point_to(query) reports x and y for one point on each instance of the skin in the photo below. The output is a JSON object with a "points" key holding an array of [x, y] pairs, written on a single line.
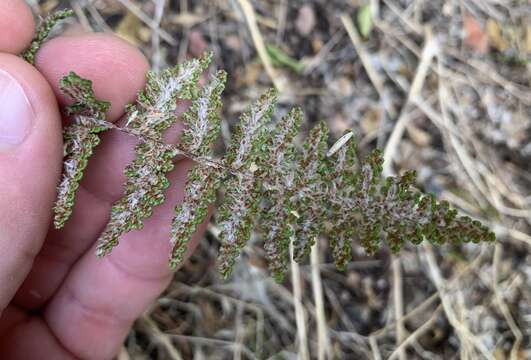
{"points": [[57, 300]]}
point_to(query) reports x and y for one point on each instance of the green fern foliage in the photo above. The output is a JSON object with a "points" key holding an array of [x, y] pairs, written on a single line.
{"points": [[80, 138], [146, 182], [310, 192], [202, 128], [43, 32], [290, 195], [202, 121], [341, 178], [278, 188], [236, 215], [154, 111]]}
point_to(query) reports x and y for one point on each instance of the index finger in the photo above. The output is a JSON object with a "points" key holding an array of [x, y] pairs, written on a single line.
{"points": [[16, 26]]}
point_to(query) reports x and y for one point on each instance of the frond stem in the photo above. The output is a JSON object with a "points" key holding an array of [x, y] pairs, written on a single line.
{"points": [[199, 159]]}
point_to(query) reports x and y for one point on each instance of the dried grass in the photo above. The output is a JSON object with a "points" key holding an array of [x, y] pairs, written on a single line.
{"points": [[435, 105]]}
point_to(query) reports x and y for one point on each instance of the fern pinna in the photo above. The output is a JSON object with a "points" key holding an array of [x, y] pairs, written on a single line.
{"points": [[291, 195]]}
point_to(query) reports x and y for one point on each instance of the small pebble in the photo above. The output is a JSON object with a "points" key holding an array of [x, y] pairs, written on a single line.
{"points": [[305, 20]]}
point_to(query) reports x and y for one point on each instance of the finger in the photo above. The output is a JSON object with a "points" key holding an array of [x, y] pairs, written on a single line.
{"points": [[106, 55], [100, 188], [28, 337], [16, 26], [30, 160], [61, 249], [101, 298]]}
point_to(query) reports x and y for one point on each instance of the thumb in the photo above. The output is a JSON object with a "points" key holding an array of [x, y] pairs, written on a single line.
{"points": [[30, 161]]}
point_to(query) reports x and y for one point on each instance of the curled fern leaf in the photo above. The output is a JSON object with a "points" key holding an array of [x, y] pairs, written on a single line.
{"points": [[365, 203], [201, 187], [146, 175], [311, 192], [43, 32], [202, 120], [144, 189], [202, 128], [236, 219], [251, 133], [341, 177], [241, 199], [278, 178], [154, 111], [80, 138]]}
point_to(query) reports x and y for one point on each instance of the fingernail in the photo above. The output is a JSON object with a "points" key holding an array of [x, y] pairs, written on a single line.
{"points": [[16, 113]]}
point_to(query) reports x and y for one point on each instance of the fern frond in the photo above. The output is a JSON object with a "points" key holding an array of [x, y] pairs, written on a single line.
{"points": [[43, 32], [203, 125], [80, 138], [295, 195], [153, 113], [85, 102], [236, 218], [365, 202], [144, 189], [201, 186], [202, 121], [250, 135], [392, 210], [341, 177], [242, 196], [278, 177], [311, 192]]}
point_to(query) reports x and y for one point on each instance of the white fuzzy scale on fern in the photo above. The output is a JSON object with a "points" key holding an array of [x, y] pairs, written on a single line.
{"points": [[252, 124], [293, 195], [156, 104], [146, 180], [202, 127], [240, 205], [80, 138]]}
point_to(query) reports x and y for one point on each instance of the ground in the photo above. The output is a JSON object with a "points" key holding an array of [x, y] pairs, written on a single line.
{"points": [[445, 88]]}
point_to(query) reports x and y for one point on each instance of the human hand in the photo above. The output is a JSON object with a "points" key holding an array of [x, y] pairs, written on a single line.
{"points": [[57, 300]]}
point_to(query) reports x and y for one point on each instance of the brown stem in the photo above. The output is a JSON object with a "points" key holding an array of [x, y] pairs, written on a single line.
{"points": [[199, 159]]}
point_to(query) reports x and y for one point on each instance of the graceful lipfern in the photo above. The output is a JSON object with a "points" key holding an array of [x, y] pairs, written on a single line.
{"points": [[278, 210], [153, 113], [289, 195], [342, 178], [43, 32], [202, 128], [80, 138], [237, 214]]}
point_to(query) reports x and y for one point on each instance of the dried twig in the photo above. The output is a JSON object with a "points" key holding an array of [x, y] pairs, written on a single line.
{"points": [[398, 305], [135, 10], [430, 49], [518, 337], [299, 308], [374, 76], [323, 341], [259, 44]]}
